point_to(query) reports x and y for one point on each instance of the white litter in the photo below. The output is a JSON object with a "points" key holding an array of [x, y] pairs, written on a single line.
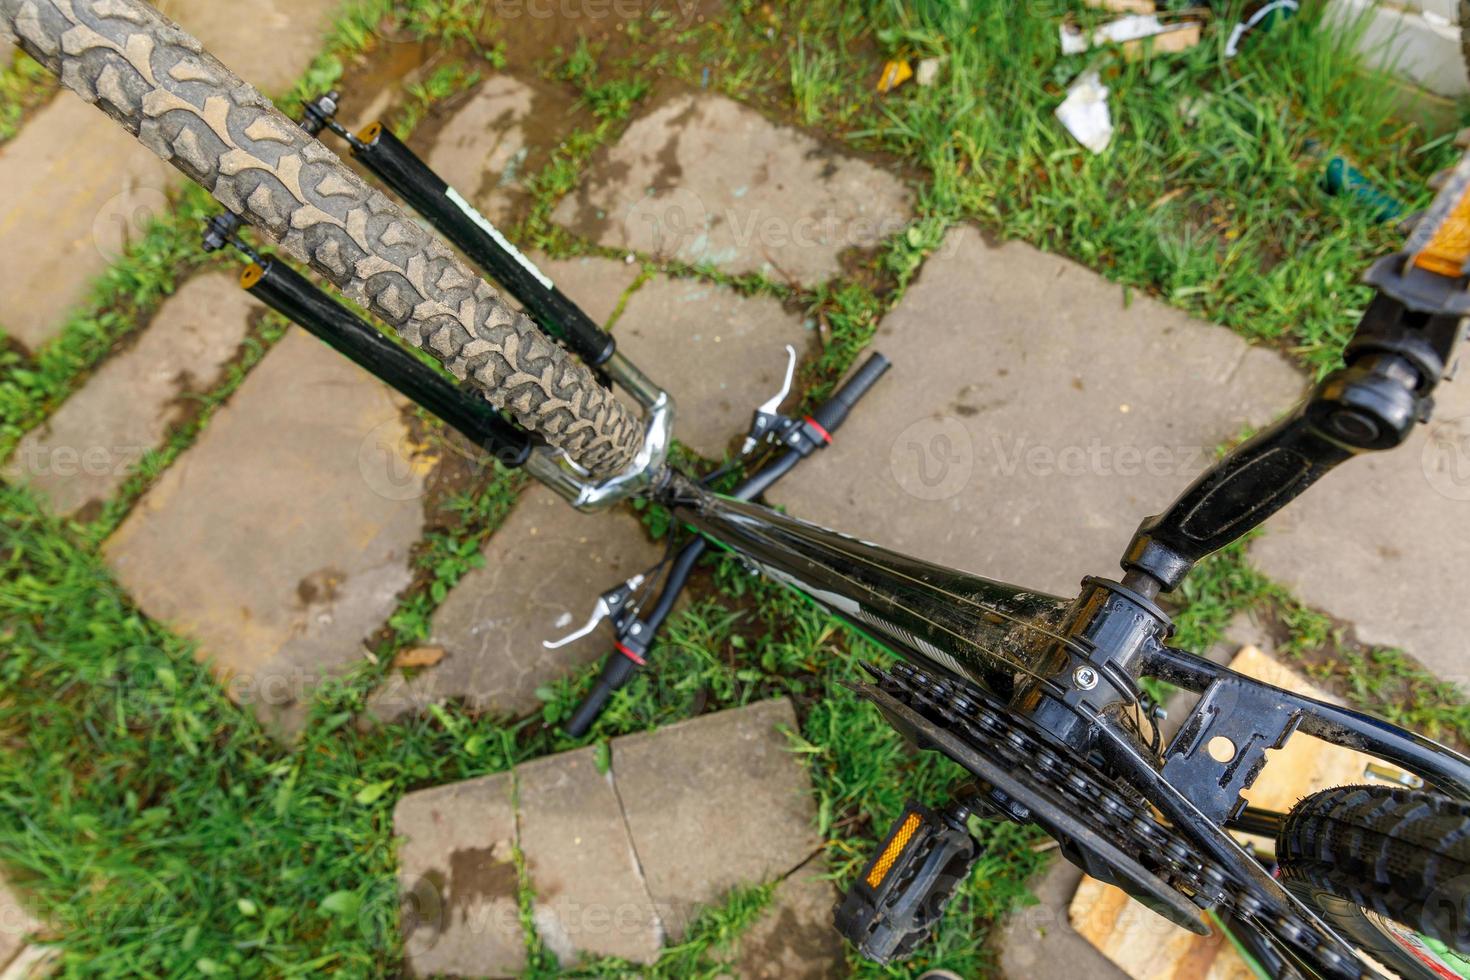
{"points": [[1123, 29], [927, 72], [1085, 112]]}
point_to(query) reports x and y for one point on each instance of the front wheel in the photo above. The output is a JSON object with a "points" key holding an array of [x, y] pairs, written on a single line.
{"points": [[1389, 869]]}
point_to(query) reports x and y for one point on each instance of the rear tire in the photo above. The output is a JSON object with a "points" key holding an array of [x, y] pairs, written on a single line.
{"points": [[1390, 870]]}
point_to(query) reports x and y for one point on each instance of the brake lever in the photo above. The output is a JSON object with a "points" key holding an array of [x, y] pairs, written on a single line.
{"points": [[610, 603], [768, 416]]}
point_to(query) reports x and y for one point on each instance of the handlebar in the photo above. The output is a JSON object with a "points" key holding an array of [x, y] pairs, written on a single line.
{"points": [[620, 665]]}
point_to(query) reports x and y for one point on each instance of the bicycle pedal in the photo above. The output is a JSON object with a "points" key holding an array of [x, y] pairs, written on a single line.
{"points": [[902, 892]]}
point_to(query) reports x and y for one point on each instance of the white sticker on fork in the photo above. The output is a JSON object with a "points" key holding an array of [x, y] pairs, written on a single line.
{"points": [[493, 232]]}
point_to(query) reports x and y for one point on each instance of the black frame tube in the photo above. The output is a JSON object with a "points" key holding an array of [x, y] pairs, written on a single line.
{"points": [[295, 297], [447, 210]]}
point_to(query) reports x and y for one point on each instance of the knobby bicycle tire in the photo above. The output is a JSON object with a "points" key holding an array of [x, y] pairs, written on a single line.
{"points": [[179, 101], [1396, 853]]}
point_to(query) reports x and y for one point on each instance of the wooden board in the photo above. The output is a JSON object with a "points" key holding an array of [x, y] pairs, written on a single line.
{"points": [[1147, 946]]}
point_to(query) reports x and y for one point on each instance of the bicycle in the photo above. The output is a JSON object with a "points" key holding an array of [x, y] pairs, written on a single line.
{"points": [[1037, 697]]}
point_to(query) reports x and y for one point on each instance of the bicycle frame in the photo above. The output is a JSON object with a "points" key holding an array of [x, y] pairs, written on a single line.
{"points": [[1003, 638], [988, 632]]}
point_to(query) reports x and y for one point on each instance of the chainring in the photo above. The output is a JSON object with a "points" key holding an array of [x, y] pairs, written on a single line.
{"points": [[1106, 822]]}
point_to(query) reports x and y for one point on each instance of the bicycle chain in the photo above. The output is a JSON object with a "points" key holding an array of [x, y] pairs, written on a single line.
{"points": [[992, 729]]}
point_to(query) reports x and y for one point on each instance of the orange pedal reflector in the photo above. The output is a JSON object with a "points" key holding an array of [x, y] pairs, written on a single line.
{"points": [[1441, 242], [895, 847]]}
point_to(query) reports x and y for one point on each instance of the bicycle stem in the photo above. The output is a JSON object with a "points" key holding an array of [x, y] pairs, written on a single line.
{"points": [[1400, 351]]}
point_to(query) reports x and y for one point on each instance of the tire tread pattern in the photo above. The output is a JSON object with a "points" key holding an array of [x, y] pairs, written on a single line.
{"points": [[142, 70], [1402, 853]]}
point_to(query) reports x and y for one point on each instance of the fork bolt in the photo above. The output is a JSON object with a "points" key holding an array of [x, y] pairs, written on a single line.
{"points": [[1085, 678]]}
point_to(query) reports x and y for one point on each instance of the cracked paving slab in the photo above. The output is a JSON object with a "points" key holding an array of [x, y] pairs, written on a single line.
{"points": [[618, 861]]}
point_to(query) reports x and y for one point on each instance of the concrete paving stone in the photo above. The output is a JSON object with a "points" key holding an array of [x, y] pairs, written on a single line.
{"points": [[1039, 941], [458, 881], [74, 186], [794, 938], [720, 354], [590, 894], [715, 802], [1380, 541], [505, 131], [83, 452], [17, 925], [703, 179], [1030, 419], [544, 569], [1392, 36], [270, 48], [282, 538]]}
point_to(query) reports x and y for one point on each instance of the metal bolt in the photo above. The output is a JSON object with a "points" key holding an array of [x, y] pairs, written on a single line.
{"points": [[1085, 678]]}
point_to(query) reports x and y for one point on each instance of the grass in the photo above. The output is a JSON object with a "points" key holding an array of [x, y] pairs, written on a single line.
{"points": [[24, 87], [163, 833], [1209, 196]]}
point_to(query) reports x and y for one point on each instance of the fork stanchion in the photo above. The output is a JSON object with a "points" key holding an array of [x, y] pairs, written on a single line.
{"points": [[456, 219], [806, 438], [293, 296]]}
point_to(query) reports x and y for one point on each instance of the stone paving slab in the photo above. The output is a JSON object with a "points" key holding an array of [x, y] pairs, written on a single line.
{"points": [[1039, 940], [458, 879], [73, 187], [1381, 541], [544, 569], [609, 874], [794, 938], [83, 452], [1030, 420], [590, 894], [17, 925], [281, 539], [504, 131], [720, 354], [715, 802], [704, 179]]}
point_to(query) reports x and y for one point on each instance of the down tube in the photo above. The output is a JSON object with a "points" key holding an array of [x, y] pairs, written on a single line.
{"points": [[963, 624]]}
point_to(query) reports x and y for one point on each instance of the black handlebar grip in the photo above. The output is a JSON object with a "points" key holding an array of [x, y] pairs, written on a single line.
{"points": [[615, 673], [831, 414]]}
